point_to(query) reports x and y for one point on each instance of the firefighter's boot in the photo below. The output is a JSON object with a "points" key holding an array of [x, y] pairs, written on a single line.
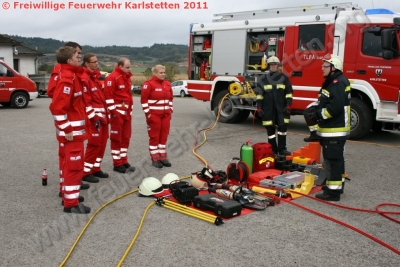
{"points": [[312, 138], [79, 209], [120, 169], [282, 145], [328, 197], [164, 161], [272, 139], [156, 162], [129, 167]]}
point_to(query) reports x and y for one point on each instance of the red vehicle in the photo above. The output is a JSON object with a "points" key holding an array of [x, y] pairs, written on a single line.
{"points": [[225, 56], [15, 90]]}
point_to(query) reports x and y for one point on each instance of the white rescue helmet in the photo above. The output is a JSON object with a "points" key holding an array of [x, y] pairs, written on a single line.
{"points": [[334, 60], [273, 60], [150, 186], [168, 179]]}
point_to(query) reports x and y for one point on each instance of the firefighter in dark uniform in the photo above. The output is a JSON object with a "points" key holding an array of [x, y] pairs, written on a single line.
{"points": [[274, 100], [333, 116]]}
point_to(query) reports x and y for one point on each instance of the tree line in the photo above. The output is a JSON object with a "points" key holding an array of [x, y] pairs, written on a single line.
{"points": [[172, 53], [166, 54]]}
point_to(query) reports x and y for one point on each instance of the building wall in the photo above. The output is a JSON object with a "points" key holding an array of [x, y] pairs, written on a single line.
{"points": [[26, 64], [6, 53]]}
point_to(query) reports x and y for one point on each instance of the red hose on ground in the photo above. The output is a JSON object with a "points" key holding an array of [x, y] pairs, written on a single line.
{"points": [[348, 226], [383, 213]]}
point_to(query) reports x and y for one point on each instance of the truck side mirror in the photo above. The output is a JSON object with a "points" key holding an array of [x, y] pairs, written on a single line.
{"points": [[386, 39], [388, 54], [10, 73]]}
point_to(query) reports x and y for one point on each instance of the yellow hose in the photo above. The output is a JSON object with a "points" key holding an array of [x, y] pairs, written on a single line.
{"points": [[136, 235], [254, 47], [90, 220], [206, 130]]}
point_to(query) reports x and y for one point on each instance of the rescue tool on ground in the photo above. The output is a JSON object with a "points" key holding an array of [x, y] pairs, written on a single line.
{"points": [[245, 199]]}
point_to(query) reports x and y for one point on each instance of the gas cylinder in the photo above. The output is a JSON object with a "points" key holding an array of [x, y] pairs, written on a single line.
{"points": [[246, 155]]}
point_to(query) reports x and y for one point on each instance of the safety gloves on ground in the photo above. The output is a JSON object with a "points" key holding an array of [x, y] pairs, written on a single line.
{"points": [[287, 110]]}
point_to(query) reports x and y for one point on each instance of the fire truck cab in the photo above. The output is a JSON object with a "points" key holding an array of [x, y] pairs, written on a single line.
{"points": [[225, 56]]}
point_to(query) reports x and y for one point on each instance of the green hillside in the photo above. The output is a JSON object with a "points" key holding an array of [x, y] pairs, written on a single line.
{"points": [[141, 57]]}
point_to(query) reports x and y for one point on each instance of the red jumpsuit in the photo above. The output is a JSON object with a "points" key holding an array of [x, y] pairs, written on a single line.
{"points": [[68, 110], [156, 99], [97, 110], [50, 92], [117, 92]]}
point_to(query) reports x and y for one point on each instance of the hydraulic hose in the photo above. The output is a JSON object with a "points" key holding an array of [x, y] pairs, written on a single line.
{"points": [[348, 225], [204, 134], [136, 235], [254, 47], [263, 45], [90, 220]]}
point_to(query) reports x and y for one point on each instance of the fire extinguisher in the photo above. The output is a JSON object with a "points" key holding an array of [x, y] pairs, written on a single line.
{"points": [[206, 71], [246, 154], [202, 70]]}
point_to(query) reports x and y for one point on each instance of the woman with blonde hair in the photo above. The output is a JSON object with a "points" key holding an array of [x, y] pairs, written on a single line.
{"points": [[156, 99]]}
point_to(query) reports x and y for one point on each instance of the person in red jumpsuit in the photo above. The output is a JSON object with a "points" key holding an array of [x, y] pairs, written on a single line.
{"points": [[68, 110], [50, 92], [156, 99], [117, 92], [95, 101]]}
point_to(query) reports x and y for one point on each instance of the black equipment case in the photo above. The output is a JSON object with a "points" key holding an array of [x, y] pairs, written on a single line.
{"points": [[223, 207]]}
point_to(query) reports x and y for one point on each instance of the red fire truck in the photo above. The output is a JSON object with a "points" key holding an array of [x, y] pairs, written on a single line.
{"points": [[225, 56]]}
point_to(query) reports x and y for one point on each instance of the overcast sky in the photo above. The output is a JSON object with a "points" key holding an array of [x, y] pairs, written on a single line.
{"points": [[132, 27]]}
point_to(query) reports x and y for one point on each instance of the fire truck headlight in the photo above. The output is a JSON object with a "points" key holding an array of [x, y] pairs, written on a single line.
{"points": [[317, 17], [246, 22]]}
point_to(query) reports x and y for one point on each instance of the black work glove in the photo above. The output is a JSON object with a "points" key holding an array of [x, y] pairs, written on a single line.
{"points": [[317, 115], [287, 110], [259, 111]]}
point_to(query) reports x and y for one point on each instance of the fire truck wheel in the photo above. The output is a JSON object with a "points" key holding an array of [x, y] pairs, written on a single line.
{"points": [[5, 104], [19, 100], [228, 113], [361, 122]]}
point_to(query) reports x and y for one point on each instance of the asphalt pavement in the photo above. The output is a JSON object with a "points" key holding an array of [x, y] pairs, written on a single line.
{"points": [[35, 231]]}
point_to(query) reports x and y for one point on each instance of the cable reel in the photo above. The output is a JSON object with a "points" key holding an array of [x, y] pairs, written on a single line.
{"points": [[238, 171], [263, 45], [254, 46]]}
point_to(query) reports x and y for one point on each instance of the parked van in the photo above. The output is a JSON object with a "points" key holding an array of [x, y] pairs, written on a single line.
{"points": [[15, 90]]}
